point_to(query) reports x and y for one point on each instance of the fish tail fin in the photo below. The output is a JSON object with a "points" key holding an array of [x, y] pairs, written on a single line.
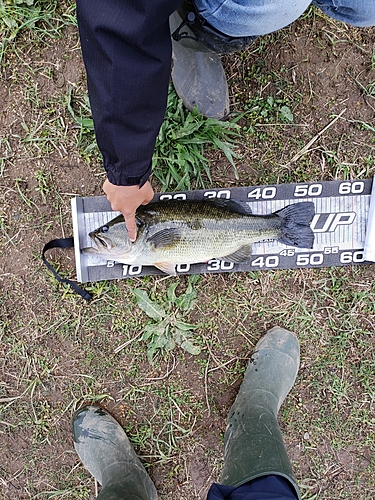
{"points": [[296, 230]]}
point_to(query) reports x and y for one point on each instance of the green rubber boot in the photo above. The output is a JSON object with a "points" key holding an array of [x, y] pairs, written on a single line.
{"points": [[107, 454], [198, 75], [253, 444]]}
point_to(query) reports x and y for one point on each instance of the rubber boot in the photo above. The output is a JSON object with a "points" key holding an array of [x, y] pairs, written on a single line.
{"points": [[253, 444], [198, 75], [107, 454]]}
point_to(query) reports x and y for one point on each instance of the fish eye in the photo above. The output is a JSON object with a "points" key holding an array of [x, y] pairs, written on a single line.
{"points": [[105, 229]]}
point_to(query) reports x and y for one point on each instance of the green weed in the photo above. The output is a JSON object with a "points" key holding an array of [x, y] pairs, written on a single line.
{"points": [[45, 185], [21, 186], [83, 114], [267, 110], [5, 154], [168, 327], [179, 160]]}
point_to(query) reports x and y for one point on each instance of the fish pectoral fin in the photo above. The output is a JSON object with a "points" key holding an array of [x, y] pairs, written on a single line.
{"points": [[166, 238], [241, 255], [166, 267]]}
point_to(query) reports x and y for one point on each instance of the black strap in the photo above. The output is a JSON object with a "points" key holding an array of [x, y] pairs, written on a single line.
{"points": [[63, 243], [216, 41]]}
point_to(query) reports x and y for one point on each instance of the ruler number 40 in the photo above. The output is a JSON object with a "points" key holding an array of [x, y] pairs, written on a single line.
{"points": [[266, 193]]}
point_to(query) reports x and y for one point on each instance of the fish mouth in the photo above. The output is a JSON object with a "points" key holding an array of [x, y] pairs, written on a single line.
{"points": [[105, 247], [101, 241]]}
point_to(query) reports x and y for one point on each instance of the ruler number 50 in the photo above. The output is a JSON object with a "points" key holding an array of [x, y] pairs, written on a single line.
{"points": [[302, 190]]}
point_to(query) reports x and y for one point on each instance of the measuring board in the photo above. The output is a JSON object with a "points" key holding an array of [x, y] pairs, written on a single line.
{"points": [[341, 227]]}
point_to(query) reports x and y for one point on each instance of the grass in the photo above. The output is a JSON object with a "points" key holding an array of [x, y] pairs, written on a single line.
{"points": [[37, 17], [57, 352]]}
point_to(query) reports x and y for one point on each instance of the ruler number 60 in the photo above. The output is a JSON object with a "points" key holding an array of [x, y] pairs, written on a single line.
{"points": [[356, 187], [352, 257]]}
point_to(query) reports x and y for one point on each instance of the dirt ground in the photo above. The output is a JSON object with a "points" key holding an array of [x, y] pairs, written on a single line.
{"points": [[57, 351]]}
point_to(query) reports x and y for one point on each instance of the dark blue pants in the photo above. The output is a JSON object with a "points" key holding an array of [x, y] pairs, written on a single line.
{"points": [[263, 488]]}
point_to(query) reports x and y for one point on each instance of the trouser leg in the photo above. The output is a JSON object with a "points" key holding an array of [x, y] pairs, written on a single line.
{"points": [[239, 18], [359, 13]]}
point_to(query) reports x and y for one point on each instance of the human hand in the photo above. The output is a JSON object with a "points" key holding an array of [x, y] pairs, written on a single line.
{"points": [[127, 199]]}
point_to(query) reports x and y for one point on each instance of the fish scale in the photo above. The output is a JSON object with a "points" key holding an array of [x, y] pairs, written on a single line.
{"points": [[216, 238], [175, 232]]}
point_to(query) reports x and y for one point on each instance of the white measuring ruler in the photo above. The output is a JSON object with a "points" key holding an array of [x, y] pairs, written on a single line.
{"points": [[344, 228]]}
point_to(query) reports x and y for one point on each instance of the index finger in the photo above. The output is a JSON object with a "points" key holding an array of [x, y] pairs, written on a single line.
{"points": [[131, 226]]}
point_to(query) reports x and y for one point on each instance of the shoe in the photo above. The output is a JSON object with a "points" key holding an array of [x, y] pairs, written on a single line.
{"points": [[253, 444], [107, 454], [198, 77], [197, 72]]}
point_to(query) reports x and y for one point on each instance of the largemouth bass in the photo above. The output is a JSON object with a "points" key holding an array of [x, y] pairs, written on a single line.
{"points": [[189, 232]]}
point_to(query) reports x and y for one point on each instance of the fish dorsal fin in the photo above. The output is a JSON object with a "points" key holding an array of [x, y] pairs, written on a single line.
{"points": [[240, 255], [240, 207], [166, 238], [166, 267]]}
